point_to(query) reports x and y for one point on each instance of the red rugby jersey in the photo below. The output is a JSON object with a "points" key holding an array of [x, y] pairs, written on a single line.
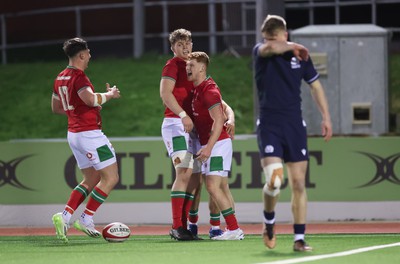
{"points": [[206, 95], [175, 69], [81, 117]]}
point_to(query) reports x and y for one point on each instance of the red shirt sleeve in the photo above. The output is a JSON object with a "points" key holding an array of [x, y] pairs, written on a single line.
{"points": [[212, 97]]}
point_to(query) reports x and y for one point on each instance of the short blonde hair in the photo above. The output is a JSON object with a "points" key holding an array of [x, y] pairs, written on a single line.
{"points": [[200, 56], [272, 24]]}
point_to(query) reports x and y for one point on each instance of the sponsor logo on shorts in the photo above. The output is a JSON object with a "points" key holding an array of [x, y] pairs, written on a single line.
{"points": [[304, 152], [89, 156]]}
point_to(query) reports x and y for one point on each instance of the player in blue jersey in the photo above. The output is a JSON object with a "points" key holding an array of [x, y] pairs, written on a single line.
{"points": [[280, 66]]}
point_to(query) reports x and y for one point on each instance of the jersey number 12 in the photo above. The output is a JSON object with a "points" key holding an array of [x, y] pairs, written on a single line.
{"points": [[63, 92]]}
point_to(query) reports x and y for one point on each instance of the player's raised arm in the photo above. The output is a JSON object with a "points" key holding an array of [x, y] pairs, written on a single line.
{"points": [[276, 47], [97, 99]]}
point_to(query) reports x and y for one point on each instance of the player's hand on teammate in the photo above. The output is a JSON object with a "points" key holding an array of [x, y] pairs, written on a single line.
{"points": [[230, 128], [203, 154], [113, 91]]}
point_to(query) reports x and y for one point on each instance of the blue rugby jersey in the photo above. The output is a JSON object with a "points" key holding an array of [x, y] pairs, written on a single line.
{"points": [[278, 80]]}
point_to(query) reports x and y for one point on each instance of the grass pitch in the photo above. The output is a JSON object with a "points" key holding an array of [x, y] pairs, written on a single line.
{"points": [[161, 249]]}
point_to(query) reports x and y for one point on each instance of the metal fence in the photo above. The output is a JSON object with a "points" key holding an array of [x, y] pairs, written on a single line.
{"points": [[243, 8], [229, 25]]}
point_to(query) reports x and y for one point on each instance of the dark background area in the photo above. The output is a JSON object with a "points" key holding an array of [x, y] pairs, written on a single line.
{"points": [[57, 27]]}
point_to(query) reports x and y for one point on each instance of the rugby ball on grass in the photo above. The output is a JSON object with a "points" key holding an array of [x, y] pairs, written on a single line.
{"points": [[116, 232]]}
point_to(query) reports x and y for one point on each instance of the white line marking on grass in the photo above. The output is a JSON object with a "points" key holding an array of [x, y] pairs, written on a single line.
{"points": [[357, 235], [333, 255]]}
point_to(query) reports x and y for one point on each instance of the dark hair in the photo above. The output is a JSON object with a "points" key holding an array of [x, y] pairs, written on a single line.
{"points": [[200, 56], [74, 46], [272, 24], [180, 34]]}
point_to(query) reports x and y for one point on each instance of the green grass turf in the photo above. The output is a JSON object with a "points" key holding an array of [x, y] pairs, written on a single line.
{"points": [[161, 249], [26, 90]]}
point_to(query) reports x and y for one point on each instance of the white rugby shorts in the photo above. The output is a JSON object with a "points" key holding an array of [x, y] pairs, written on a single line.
{"points": [[91, 149], [176, 139], [220, 161], [174, 136]]}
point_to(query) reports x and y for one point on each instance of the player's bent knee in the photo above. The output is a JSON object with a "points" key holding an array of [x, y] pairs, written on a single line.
{"points": [[183, 159], [273, 178]]}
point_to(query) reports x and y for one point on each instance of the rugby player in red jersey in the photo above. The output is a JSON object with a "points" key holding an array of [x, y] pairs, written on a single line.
{"points": [[181, 142], [216, 144], [75, 97]]}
